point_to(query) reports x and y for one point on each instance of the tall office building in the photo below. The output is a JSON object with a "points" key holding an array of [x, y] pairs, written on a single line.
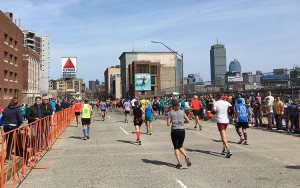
{"points": [[235, 66], [218, 64], [44, 52]]}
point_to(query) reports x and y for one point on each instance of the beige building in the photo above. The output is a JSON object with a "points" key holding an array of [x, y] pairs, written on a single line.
{"points": [[168, 68], [66, 88], [115, 86], [107, 75], [31, 87]]}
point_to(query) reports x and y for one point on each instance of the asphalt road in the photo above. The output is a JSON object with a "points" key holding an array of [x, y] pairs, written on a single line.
{"points": [[112, 159]]}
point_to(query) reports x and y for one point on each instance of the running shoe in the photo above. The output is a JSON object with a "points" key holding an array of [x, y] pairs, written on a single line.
{"points": [[228, 155], [246, 143], [178, 166], [84, 138], [150, 133], [187, 160], [140, 142], [200, 127], [241, 141], [224, 151], [195, 127], [88, 136]]}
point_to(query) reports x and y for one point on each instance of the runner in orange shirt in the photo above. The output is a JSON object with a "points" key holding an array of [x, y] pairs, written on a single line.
{"points": [[196, 105], [77, 106]]}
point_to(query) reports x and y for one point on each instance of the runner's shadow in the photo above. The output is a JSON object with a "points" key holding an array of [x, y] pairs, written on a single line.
{"points": [[120, 121], [205, 152], [98, 120], [297, 167], [156, 162], [76, 137], [227, 141], [126, 141], [135, 132]]}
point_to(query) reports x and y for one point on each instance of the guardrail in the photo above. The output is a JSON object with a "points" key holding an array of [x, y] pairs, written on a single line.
{"points": [[23, 147]]}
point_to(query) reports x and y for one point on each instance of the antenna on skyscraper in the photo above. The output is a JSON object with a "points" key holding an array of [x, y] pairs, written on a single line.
{"points": [[133, 46], [217, 40]]}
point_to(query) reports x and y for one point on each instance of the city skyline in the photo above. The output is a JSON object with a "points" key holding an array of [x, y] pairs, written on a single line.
{"points": [[264, 33]]}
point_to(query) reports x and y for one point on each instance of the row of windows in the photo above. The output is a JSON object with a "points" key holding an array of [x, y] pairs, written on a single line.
{"points": [[10, 41], [10, 76], [145, 69], [9, 58], [8, 93]]}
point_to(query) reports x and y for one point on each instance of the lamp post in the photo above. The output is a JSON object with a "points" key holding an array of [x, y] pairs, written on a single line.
{"points": [[177, 55]]}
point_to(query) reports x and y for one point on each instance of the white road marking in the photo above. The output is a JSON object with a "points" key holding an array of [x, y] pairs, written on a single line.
{"points": [[124, 130], [108, 116], [262, 155], [181, 184]]}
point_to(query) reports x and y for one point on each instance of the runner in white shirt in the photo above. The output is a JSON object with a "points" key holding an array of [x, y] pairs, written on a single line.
{"points": [[221, 109]]}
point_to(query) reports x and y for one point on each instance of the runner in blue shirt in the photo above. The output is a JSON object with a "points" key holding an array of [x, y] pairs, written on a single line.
{"points": [[242, 115]]}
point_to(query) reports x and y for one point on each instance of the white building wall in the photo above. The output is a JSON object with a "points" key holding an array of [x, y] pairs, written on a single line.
{"points": [[45, 63]]}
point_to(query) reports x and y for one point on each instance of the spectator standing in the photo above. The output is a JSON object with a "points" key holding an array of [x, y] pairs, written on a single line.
{"points": [[23, 111], [12, 119], [161, 106], [278, 111], [269, 111]]}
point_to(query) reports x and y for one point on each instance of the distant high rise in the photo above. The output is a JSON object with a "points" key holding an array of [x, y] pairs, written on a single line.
{"points": [[218, 64], [235, 66], [93, 85]]}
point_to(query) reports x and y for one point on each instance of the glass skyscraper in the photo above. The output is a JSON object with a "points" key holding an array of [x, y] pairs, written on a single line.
{"points": [[235, 66], [218, 64]]}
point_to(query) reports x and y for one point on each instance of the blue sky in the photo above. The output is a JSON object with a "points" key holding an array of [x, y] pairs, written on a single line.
{"points": [[261, 34]]}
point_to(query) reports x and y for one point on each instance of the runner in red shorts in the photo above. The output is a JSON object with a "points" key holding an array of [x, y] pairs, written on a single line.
{"points": [[77, 106], [221, 110]]}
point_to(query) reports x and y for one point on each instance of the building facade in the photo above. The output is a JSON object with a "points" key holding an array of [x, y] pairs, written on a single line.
{"points": [[148, 67], [11, 59], [218, 64], [107, 74], [93, 85], [43, 49], [115, 86], [167, 60], [31, 84]]}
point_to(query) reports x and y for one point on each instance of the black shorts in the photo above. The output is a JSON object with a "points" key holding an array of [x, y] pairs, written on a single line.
{"points": [[127, 112], [86, 121], [137, 121], [243, 125], [177, 136], [77, 113], [103, 110], [196, 112]]}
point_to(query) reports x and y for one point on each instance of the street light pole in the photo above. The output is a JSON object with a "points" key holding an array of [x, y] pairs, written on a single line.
{"points": [[176, 54]]}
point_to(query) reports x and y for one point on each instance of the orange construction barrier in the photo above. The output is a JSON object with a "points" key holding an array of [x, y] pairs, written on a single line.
{"points": [[23, 147]]}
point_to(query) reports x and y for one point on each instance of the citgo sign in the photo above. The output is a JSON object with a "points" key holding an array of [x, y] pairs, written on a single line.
{"points": [[69, 64]]}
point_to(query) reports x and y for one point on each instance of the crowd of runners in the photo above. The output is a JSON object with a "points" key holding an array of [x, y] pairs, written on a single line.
{"points": [[242, 110]]}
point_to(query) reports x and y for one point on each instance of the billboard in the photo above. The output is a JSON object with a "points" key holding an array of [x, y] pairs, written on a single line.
{"points": [[235, 78], [142, 82], [69, 64]]}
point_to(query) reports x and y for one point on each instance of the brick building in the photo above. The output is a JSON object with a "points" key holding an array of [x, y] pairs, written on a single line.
{"points": [[152, 68], [11, 59]]}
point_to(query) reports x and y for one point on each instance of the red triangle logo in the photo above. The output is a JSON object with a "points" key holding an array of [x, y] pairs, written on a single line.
{"points": [[69, 64]]}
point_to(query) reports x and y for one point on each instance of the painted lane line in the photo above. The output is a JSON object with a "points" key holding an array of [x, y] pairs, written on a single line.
{"points": [[108, 116], [181, 184], [124, 130], [249, 150]]}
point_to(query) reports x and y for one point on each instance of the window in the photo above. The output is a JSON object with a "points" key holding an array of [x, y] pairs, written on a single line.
{"points": [[5, 38], [16, 80], [142, 69], [10, 92], [11, 59], [5, 56], [16, 61], [153, 79], [11, 41], [10, 76], [16, 44], [153, 69], [153, 88], [5, 75], [5, 93]]}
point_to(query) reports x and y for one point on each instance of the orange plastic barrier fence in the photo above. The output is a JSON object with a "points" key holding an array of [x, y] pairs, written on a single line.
{"points": [[23, 147]]}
